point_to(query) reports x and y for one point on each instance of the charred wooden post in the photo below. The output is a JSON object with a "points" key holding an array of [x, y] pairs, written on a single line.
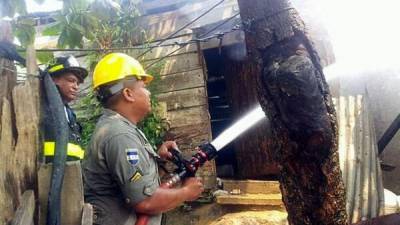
{"points": [[294, 94]]}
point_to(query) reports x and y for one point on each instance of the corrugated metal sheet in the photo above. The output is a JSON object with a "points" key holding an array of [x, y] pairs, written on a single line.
{"points": [[359, 159]]}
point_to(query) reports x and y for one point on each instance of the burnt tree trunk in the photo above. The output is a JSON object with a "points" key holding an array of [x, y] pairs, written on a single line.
{"points": [[253, 148], [293, 92]]}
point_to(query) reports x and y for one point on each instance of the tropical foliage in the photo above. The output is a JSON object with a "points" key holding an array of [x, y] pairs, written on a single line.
{"points": [[104, 24], [100, 24], [154, 126], [23, 28]]}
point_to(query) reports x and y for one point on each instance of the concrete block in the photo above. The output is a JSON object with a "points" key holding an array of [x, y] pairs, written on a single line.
{"points": [[251, 199], [252, 186]]}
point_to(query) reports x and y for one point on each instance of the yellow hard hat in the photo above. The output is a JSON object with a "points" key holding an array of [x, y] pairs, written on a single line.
{"points": [[117, 66]]}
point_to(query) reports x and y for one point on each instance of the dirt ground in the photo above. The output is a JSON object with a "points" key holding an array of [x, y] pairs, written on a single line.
{"points": [[215, 214]]}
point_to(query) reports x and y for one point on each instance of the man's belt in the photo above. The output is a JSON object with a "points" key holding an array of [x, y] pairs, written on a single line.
{"points": [[72, 150]]}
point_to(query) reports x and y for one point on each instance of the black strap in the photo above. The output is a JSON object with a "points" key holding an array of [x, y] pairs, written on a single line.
{"points": [[70, 114], [9, 51]]}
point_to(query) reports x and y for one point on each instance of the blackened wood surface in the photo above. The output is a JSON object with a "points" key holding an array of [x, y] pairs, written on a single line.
{"points": [[293, 92]]}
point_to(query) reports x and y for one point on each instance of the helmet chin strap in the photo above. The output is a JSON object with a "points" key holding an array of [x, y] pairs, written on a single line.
{"points": [[106, 92], [116, 88], [103, 94]]}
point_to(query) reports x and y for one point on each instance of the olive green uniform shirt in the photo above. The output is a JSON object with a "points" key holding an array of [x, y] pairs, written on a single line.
{"points": [[119, 168]]}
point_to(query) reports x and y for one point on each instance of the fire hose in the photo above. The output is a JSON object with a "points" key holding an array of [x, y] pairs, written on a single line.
{"points": [[185, 168], [56, 106]]}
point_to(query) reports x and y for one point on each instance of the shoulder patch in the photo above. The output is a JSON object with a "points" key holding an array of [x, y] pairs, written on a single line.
{"points": [[132, 156], [136, 176]]}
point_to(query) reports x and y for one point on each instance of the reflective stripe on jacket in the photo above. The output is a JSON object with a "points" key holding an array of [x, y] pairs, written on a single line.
{"points": [[73, 150]]}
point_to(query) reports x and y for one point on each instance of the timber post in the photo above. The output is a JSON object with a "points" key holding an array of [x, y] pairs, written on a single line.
{"points": [[19, 133]]}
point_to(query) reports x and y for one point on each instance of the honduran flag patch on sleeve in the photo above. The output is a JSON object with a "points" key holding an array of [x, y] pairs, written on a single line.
{"points": [[132, 156]]}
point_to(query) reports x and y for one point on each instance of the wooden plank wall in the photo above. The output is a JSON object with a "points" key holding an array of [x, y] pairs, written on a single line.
{"points": [[72, 201], [182, 89], [25, 212], [159, 26], [183, 76], [19, 136], [254, 149]]}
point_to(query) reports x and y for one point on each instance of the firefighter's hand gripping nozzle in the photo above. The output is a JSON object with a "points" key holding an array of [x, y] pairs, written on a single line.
{"points": [[185, 168], [188, 167]]}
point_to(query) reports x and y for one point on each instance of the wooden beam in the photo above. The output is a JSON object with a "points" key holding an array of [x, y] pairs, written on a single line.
{"points": [[178, 63], [184, 98], [162, 4], [158, 52], [72, 200], [87, 214], [181, 81], [24, 213], [163, 24], [188, 116], [389, 134], [236, 37]]}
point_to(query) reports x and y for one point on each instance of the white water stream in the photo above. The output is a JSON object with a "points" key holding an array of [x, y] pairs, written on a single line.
{"points": [[238, 128]]}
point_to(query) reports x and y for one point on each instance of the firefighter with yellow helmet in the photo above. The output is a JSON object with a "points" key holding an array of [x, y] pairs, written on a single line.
{"points": [[67, 75], [120, 168]]}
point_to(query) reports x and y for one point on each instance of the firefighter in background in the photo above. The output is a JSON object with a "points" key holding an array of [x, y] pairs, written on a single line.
{"points": [[120, 166], [67, 75]]}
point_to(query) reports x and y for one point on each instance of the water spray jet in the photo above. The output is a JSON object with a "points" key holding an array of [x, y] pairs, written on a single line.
{"points": [[208, 151], [238, 128]]}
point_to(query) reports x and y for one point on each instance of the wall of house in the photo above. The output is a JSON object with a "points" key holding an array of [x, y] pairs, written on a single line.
{"points": [[255, 148], [383, 90], [19, 135], [182, 87], [184, 105], [181, 90], [163, 24]]}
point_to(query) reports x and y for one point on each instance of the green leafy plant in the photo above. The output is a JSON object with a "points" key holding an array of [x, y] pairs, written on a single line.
{"points": [[23, 27], [88, 112], [98, 24], [73, 23], [24, 31], [154, 126], [107, 25], [102, 23]]}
